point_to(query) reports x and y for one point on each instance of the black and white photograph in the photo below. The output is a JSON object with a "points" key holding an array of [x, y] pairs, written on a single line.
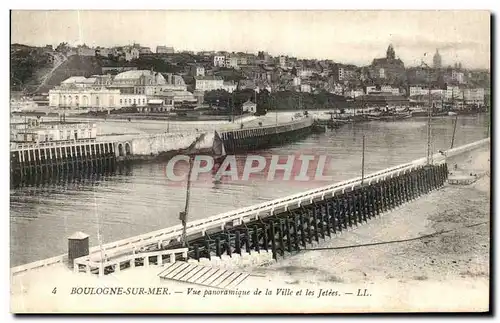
{"points": [[250, 161]]}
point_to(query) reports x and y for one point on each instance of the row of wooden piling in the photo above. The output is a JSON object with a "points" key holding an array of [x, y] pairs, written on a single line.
{"points": [[291, 231], [33, 160], [260, 138], [68, 174]]}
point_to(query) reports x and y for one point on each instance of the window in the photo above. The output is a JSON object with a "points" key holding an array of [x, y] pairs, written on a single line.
{"points": [[134, 101], [129, 101], [143, 101], [120, 101], [97, 101]]}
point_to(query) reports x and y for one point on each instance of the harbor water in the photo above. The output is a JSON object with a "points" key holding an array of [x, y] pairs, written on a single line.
{"points": [[140, 198]]}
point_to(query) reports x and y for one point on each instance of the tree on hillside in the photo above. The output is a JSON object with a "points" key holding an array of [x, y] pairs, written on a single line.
{"points": [[23, 65], [263, 102], [63, 47], [155, 63]]}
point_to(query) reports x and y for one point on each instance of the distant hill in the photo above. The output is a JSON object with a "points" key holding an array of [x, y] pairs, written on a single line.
{"points": [[29, 66], [74, 66]]}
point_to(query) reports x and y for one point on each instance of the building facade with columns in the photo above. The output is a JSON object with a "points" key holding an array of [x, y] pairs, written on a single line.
{"points": [[83, 98]]}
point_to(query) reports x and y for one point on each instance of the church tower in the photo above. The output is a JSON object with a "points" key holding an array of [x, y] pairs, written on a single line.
{"points": [[437, 60], [390, 52]]}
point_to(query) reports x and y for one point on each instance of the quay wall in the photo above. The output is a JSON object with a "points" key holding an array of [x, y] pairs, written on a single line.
{"points": [[416, 181], [159, 143], [265, 136]]}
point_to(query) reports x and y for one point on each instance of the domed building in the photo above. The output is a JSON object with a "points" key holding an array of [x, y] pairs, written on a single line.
{"points": [[145, 90], [138, 82]]}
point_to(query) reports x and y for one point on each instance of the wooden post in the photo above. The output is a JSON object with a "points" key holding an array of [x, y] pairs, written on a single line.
{"points": [[288, 234], [345, 211], [228, 244], [365, 201], [295, 233], [247, 241], [307, 219], [454, 129], [237, 243], [329, 217], [302, 230], [280, 235], [265, 239], [217, 247], [315, 222], [255, 236], [196, 252], [363, 162], [273, 240], [351, 211]]}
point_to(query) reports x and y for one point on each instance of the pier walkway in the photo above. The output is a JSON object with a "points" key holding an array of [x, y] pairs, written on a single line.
{"points": [[164, 238]]}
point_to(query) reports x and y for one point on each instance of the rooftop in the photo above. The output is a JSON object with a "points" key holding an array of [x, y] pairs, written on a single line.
{"points": [[209, 77], [133, 75], [79, 79]]}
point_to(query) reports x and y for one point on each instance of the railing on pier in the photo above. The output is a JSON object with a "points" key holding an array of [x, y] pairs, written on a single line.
{"points": [[281, 127], [115, 263], [38, 264], [19, 146]]}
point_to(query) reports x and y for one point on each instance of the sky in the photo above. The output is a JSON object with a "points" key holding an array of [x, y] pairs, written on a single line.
{"points": [[350, 37]]}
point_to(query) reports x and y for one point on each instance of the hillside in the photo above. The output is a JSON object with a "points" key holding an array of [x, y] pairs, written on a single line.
{"points": [[73, 66]]}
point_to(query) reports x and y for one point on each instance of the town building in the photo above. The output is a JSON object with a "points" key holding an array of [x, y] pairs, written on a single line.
{"points": [[35, 131], [104, 52], [79, 82], [389, 89], [418, 90], [229, 86], [354, 93], [219, 61], [371, 89], [144, 50], [249, 106], [453, 93], [164, 50], [208, 83], [242, 59], [282, 61], [383, 100], [296, 81], [145, 82], [129, 53], [389, 68], [197, 71], [458, 76], [474, 96], [232, 62], [305, 88], [136, 88], [133, 100], [84, 50], [305, 72], [74, 97]]}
